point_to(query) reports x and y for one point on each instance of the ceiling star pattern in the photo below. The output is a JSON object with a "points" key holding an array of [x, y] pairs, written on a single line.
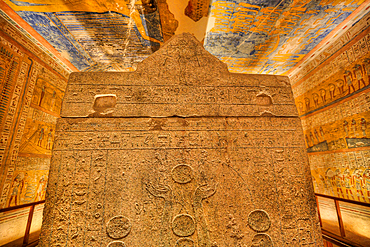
{"points": [[251, 36], [270, 37]]}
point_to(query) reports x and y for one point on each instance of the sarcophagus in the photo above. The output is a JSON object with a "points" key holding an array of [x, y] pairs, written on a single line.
{"points": [[179, 153]]}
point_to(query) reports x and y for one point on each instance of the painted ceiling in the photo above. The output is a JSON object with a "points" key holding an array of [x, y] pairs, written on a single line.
{"points": [[251, 36]]}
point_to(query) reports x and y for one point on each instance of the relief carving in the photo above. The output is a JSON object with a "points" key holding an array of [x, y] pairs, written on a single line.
{"points": [[118, 227]]}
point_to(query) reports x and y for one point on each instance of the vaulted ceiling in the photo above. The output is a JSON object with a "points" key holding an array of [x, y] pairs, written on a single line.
{"points": [[251, 36]]}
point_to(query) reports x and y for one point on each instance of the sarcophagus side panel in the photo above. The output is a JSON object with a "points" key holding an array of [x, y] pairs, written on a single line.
{"points": [[180, 182]]}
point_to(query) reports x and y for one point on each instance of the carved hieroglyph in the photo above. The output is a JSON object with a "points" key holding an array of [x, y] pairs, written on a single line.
{"points": [[179, 153]]}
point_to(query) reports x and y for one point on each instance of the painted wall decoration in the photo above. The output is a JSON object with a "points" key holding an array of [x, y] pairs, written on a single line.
{"points": [[271, 37], [32, 86], [31, 92], [99, 35], [333, 100]]}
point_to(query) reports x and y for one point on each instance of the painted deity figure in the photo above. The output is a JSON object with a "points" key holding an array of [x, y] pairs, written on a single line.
{"points": [[367, 68], [317, 136], [332, 91], [50, 140], [307, 102], [347, 183], [41, 137], [329, 174], [42, 95], [323, 181], [323, 95], [366, 177], [353, 127], [345, 128], [358, 182], [338, 183], [315, 185], [40, 191], [349, 80], [300, 107], [312, 138], [315, 97], [16, 189], [340, 85], [307, 141], [322, 133], [53, 99], [363, 127], [359, 75]]}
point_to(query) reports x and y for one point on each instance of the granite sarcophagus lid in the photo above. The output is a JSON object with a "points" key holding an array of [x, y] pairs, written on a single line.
{"points": [[179, 153]]}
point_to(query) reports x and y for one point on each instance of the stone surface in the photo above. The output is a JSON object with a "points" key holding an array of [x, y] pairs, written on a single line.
{"points": [[234, 177]]}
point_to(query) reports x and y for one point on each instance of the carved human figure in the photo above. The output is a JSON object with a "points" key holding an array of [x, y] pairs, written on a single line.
{"points": [[165, 192], [349, 80], [359, 75], [202, 192], [358, 182]]}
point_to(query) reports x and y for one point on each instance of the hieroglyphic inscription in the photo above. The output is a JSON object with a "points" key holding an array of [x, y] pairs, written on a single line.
{"points": [[141, 100], [176, 192]]}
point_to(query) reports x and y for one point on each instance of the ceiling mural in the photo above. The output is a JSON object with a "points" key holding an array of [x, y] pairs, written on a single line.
{"points": [[98, 34], [251, 36], [270, 37]]}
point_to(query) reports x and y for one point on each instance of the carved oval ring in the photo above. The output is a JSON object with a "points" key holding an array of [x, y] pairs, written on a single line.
{"points": [[182, 173], [262, 240], [184, 242], [118, 227], [116, 244], [183, 225], [259, 220]]}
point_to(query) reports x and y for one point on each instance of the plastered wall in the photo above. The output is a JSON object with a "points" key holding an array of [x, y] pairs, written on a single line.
{"points": [[32, 87], [332, 94]]}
